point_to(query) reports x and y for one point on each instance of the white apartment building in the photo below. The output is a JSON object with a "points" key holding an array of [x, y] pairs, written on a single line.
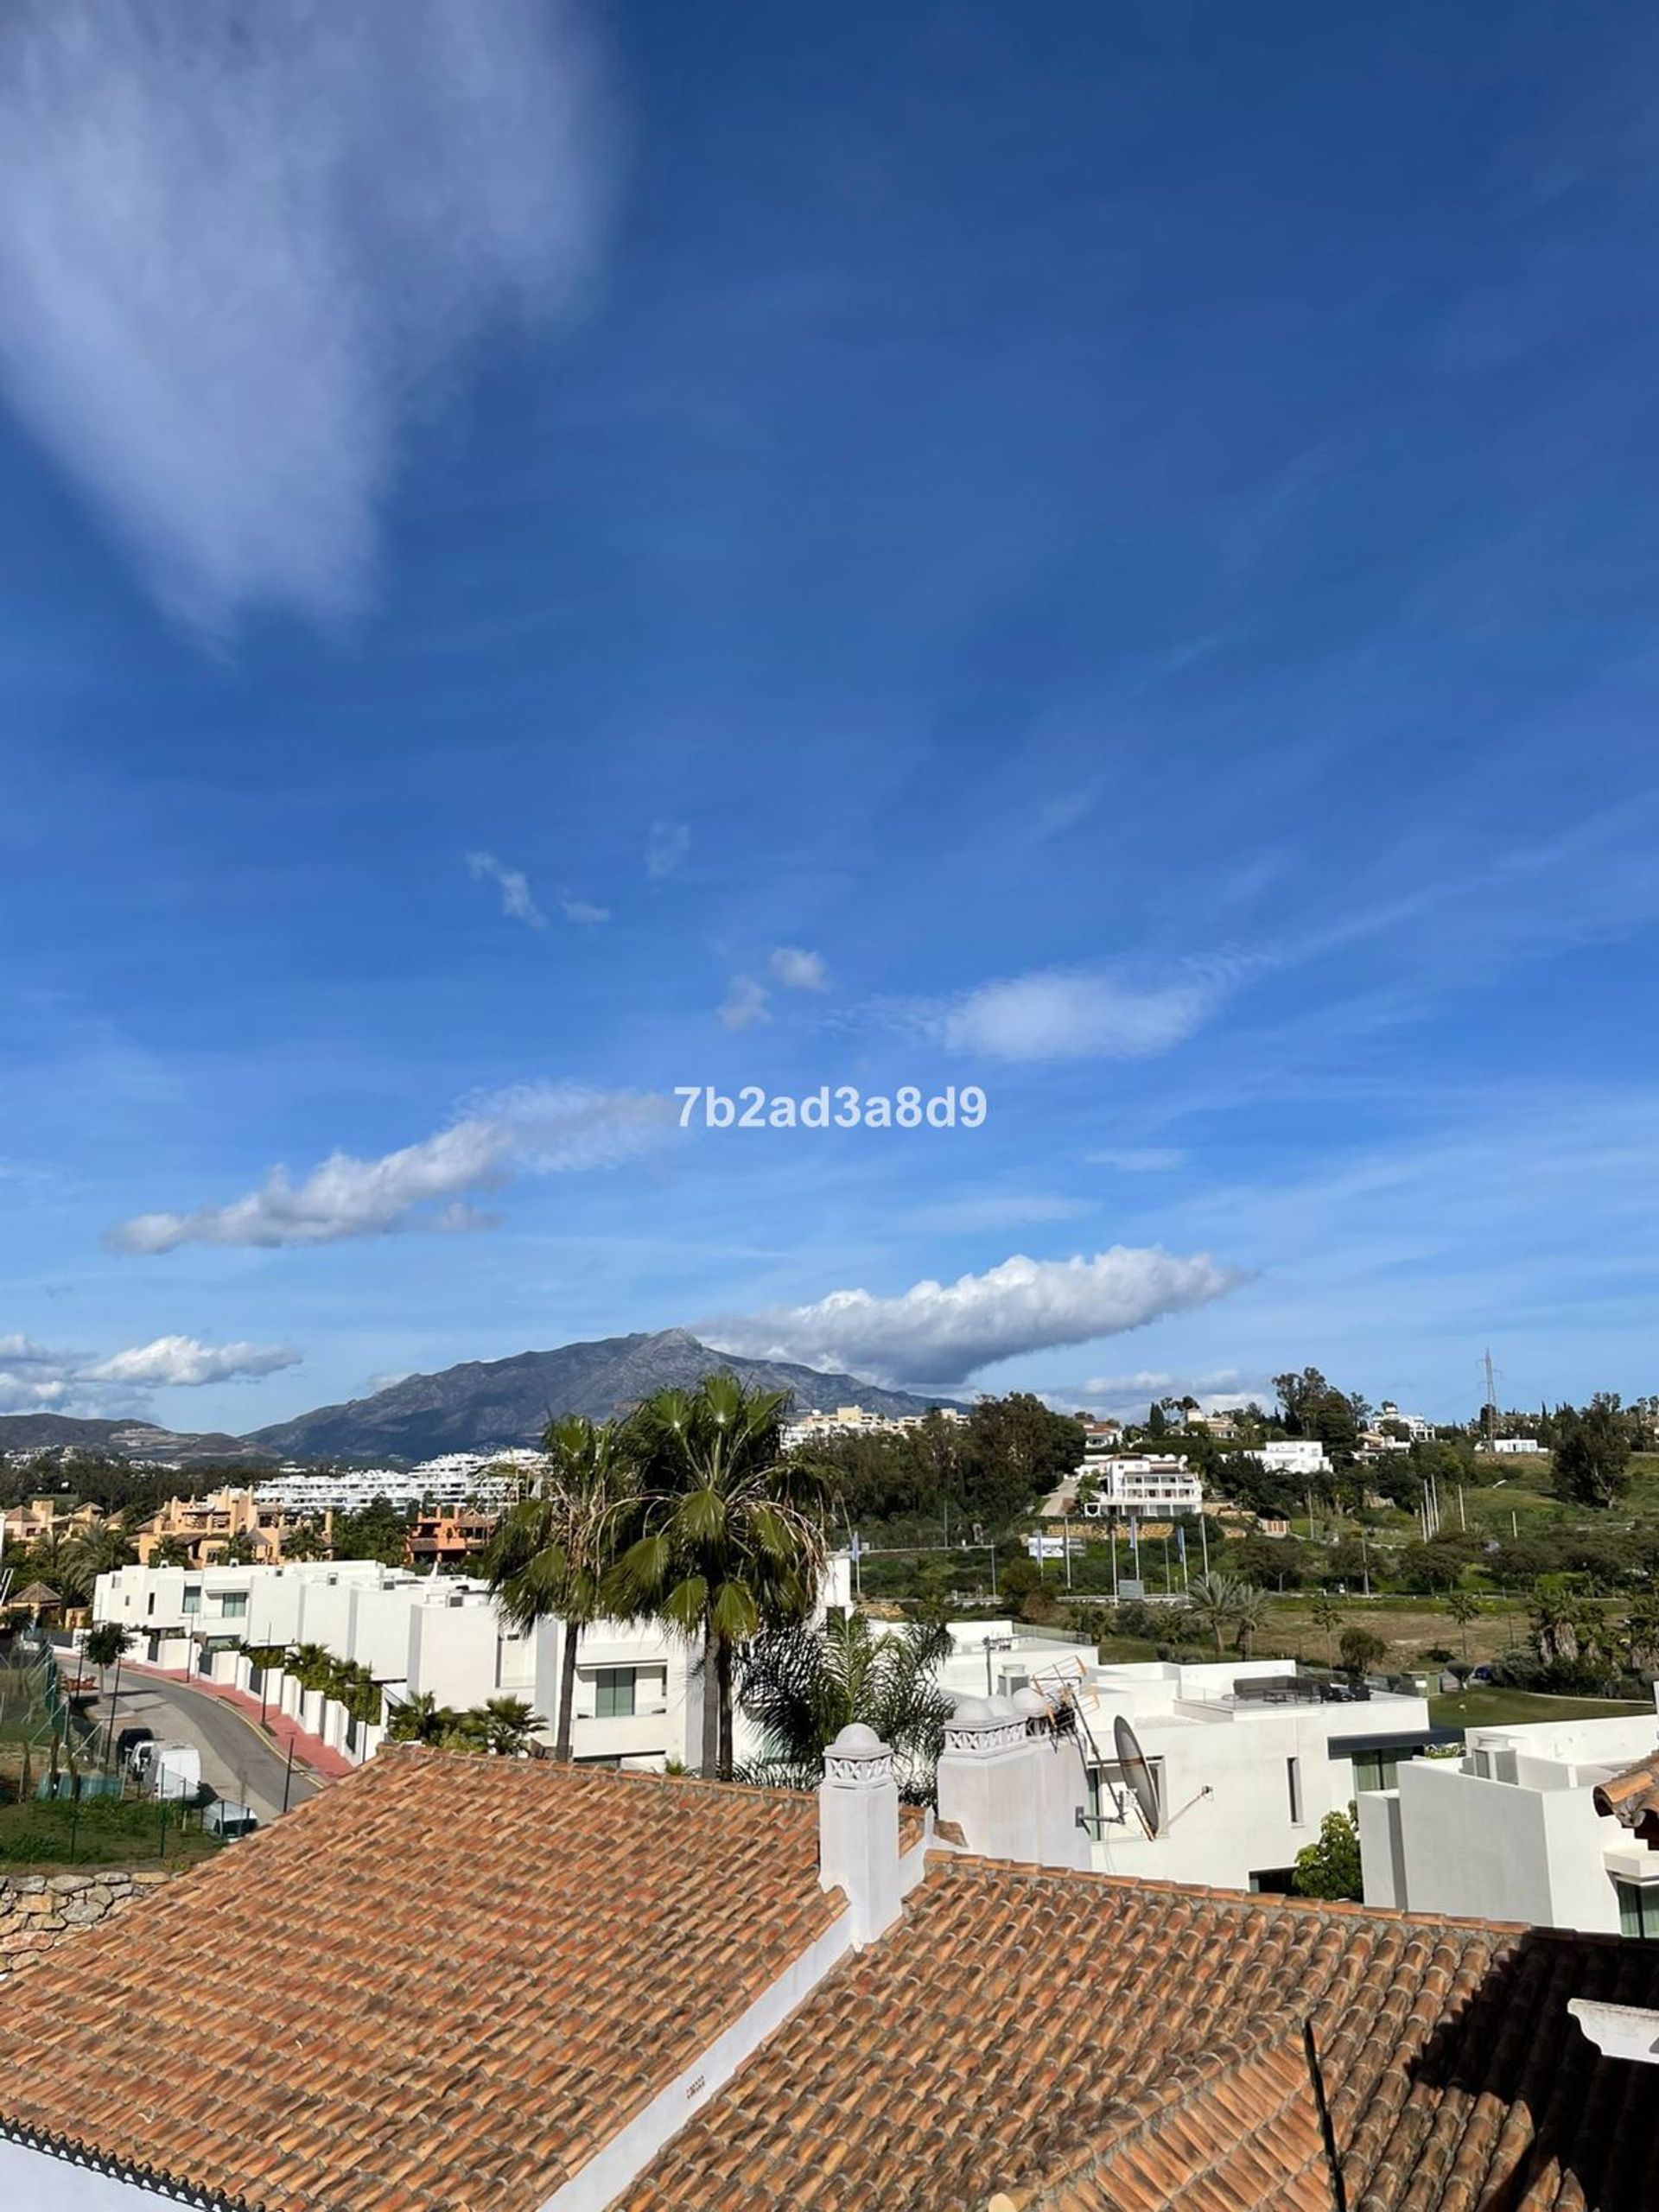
{"points": [[1245, 1759], [813, 1427], [1158, 1483], [1417, 1429], [1301, 1456], [1510, 1830], [494, 1480], [1516, 1447], [637, 1696], [637, 1704]]}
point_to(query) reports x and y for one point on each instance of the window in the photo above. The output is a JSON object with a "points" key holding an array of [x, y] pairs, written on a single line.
{"points": [[1638, 1908], [191, 1601], [614, 1693], [1275, 1881], [234, 1605], [1294, 1784], [1377, 1770], [151, 1604]]}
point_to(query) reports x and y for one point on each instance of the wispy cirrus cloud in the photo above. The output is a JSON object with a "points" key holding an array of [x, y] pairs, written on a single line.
{"points": [[667, 845], [236, 244], [941, 1333], [518, 901], [533, 1129], [37, 1379]]}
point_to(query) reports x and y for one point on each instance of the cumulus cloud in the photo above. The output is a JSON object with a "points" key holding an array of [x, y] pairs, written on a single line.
{"points": [[239, 246], [534, 1129], [1069, 1015], [34, 1379], [667, 844], [939, 1333], [517, 902], [797, 970], [183, 1362], [744, 1004]]}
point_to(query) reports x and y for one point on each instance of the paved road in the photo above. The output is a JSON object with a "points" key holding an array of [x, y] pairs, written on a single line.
{"points": [[235, 1759]]}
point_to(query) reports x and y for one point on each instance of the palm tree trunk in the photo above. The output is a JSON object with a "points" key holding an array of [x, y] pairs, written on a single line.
{"points": [[723, 1678], [710, 1767], [566, 1689]]}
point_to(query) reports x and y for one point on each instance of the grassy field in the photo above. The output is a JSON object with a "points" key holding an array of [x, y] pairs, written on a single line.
{"points": [[109, 1832], [1484, 1708], [1408, 1626]]}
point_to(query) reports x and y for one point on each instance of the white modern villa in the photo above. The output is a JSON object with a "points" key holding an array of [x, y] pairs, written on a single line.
{"points": [[1245, 1759], [1524, 1826]]}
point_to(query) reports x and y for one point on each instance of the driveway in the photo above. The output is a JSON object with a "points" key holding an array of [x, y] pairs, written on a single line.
{"points": [[236, 1760]]}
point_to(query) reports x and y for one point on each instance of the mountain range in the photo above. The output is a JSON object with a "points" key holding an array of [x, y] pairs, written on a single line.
{"points": [[479, 1406]]}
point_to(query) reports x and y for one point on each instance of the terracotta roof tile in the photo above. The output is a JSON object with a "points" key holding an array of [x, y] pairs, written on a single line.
{"points": [[442, 1983], [1061, 2043]]}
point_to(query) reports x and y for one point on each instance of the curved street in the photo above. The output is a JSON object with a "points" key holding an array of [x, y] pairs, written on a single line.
{"points": [[236, 1760]]}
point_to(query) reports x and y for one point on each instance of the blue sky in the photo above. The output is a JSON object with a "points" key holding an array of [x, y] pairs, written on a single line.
{"points": [[1105, 553]]}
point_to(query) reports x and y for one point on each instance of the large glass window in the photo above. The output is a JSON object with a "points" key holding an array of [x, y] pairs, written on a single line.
{"points": [[191, 1601], [1638, 1908], [614, 1692], [234, 1605], [1377, 1770]]}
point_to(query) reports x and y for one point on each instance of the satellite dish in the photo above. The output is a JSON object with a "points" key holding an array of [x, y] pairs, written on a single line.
{"points": [[1138, 1777]]}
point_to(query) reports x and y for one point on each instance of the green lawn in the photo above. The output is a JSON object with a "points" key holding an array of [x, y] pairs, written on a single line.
{"points": [[1489, 1708]]}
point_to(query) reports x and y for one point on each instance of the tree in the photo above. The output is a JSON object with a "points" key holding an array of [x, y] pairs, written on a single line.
{"points": [[104, 1644], [95, 1551], [312, 1666], [305, 1541], [1249, 1610], [1362, 1648], [1330, 1868], [171, 1551], [1464, 1607], [420, 1720], [1591, 1463], [505, 1725], [731, 1536], [1214, 1600], [1327, 1615], [803, 1685], [551, 1554], [238, 1550]]}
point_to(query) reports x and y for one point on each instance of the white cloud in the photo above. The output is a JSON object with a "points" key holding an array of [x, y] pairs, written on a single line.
{"points": [[667, 844], [936, 1333], [745, 1003], [517, 903], [1069, 1015], [581, 911], [1139, 1160], [799, 970], [34, 1379], [239, 246], [536, 1128], [183, 1362]]}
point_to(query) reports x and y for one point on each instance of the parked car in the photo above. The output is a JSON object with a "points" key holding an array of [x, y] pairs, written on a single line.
{"points": [[227, 1820], [169, 1770], [128, 1741]]}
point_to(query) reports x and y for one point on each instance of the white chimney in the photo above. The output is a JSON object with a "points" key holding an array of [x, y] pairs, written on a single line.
{"points": [[987, 1779], [1062, 1784], [858, 1830]]}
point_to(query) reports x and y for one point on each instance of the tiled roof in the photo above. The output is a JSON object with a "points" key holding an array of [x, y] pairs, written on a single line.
{"points": [[1633, 1797], [1075, 2043], [437, 1988]]}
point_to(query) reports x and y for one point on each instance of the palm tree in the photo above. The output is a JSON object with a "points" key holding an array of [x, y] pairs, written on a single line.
{"points": [[1249, 1610], [1214, 1599], [803, 1685], [239, 1550], [506, 1725], [731, 1536], [551, 1554], [172, 1551], [1327, 1615], [303, 1542], [311, 1665], [1464, 1607], [421, 1720]]}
